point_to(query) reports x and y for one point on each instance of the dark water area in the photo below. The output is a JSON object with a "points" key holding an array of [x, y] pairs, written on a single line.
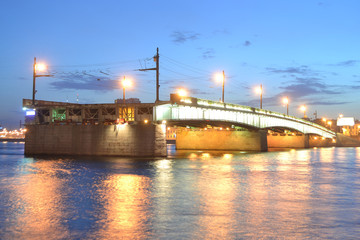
{"points": [[294, 194]]}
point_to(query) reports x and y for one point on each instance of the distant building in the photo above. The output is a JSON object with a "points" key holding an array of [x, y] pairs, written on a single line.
{"points": [[348, 126], [328, 123], [128, 100]]}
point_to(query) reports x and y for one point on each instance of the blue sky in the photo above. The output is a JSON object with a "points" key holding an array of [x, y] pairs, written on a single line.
{"points": [[306, 50]]}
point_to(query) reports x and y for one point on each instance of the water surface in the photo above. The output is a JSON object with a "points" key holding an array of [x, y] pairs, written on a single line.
{"points": [[302, 194]]}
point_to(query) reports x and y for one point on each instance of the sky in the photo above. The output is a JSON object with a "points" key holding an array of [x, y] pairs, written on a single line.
{"points": [[307, 50]]}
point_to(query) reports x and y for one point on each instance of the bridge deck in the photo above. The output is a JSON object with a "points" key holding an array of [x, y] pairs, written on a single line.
{"points": [[192, 110]]}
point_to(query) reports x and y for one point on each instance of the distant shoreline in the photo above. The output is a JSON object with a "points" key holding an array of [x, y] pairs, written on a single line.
{"points": [[12, 139]]}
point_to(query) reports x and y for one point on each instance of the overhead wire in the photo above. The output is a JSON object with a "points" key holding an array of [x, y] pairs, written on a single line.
{"points": [[191, 68], [97, 64]]}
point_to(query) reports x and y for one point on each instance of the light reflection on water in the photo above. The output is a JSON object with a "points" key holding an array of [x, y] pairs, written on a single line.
{"points": [[296, 194]]}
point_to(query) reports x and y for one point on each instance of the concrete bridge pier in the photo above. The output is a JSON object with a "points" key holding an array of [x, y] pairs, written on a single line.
{"points": [[282, 140], [298, 141], [214, 139], [318, 141], [137, 140]]}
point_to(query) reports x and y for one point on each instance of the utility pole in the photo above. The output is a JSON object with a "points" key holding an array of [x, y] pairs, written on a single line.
{"points": [[34, 79], [223, 85], [157, 74], [156, 59], [261, 96]]}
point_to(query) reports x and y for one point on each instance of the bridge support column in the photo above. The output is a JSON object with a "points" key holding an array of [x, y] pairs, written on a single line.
{"points": [[288, 140], [318, 141], [106, 140], [221, 140]]}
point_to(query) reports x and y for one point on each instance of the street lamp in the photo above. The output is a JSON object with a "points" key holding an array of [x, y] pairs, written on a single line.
{"points": [[259, 90], [303, 109], [221, 77], [329, 123], [125, 83], [182, 92], [286, 102], [37, 67]]}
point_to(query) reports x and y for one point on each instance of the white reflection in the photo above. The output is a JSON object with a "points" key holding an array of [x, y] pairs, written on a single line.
{"points": [[163, 164], [216, 188]]}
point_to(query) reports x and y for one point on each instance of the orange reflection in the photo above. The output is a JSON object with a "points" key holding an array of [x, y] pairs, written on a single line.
{"points": [[193, 156], [39, 202], [125, 198]]}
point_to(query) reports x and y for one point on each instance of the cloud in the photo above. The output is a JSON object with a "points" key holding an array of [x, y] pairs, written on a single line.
{"points": [[181, 37], [84, 81], [327, 103], [307, 86], [348, 63], [302, 70], [197, 91], [208, 53], [221, 32], [247, 43]]}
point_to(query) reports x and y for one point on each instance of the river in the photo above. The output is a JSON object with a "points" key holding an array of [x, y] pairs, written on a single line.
{"points": [[292, 194]]}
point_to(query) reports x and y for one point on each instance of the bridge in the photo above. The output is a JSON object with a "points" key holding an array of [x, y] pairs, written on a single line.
{"points": [[196, 112], [139, 129]]}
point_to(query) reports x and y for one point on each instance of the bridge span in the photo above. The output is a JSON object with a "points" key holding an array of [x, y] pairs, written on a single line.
{"points": [[139, 129], [189, 111]]}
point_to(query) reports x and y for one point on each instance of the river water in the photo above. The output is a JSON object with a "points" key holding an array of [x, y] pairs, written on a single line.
{"points": [[293, 194]]}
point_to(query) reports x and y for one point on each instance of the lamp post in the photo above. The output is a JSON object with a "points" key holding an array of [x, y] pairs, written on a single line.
{"points": [[329, 123], [40, 67], [221, 77], [125, 83], [259, 90], [303, 109], [286, 102]]}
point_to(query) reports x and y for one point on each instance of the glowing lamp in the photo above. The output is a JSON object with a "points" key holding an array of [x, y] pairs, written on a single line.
{"points": [[126, 83], [30, 113], [40, 67], [182, 92]]}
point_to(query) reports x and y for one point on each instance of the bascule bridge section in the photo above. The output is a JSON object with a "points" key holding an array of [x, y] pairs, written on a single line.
{"points": [[114, 129]]}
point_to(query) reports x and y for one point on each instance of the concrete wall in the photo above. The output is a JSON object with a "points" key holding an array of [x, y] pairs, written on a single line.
{"points": [[316, 141], [298, 141], [221, 140], [287, 141], [110, 140], [346, 141]]}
